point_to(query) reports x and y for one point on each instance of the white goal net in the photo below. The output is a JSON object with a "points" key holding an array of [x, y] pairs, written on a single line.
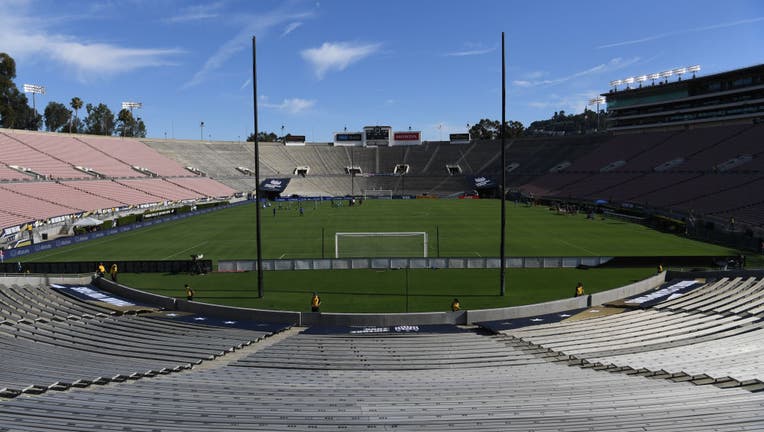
{"points": [[378, 193], [380, 244]]}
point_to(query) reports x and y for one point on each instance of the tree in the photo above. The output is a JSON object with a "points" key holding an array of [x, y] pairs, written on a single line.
{"points": [[125, 123], [15, 112], [100, 120], [56, 116], [263, 137], [140, 128], [76, 104], [487, 129], [129, 126]]}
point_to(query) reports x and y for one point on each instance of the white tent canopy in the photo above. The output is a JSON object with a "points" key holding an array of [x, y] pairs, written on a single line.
{"points": [[87, 221]]}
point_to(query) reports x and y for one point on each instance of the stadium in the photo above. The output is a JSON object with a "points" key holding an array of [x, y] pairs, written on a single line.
{"points": [[659, 214]]}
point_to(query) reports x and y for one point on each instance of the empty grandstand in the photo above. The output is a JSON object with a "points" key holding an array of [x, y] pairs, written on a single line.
{"points": [[661, 363]]}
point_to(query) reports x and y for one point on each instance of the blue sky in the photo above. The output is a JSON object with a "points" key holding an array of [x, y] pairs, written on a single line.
{"points": [[433, 65]]}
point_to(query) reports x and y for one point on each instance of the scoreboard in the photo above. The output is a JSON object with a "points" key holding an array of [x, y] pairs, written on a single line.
{"points": [[377, 135]]}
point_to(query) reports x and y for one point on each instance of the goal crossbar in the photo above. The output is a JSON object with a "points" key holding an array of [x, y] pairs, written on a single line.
{"points": [[422, 234]]}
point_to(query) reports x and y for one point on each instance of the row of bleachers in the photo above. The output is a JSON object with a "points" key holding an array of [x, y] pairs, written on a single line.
{"points": [[115, 191], [61, 194], [8, 174], [76, 152], [717, 324], [161, 188], [134, 152], [13, 219], [33, 208], [13, 151], [318, 382], [204, 186], [50, 341]]}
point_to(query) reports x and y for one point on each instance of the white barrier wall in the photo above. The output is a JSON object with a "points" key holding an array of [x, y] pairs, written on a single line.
{"points": [[413, 263]]}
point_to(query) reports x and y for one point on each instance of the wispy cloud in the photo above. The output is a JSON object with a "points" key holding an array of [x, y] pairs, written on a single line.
{"points": [[24, 36], [337, 56], [474, 52], [197, 13], [292, 106], [572, 103], [246, 83], [682, 32], [260, 24], [290, 28], [612, 65]]}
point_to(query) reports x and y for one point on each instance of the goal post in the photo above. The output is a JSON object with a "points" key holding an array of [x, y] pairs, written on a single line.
{"points": [[397, 244], [378, 193]]}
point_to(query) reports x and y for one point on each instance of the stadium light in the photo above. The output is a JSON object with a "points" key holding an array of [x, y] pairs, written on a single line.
{"points": [[597, 101], [34, 89], [655, 76], [679, 71], [131, 106]]}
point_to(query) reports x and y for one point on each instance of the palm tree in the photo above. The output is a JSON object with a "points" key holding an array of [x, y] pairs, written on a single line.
{"points": [[76, 104]]}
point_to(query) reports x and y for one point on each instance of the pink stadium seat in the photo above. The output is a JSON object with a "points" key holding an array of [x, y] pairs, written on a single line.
{"points": [[133, 152], [15, 151]]}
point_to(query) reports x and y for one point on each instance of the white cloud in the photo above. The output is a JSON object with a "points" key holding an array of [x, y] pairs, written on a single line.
{"points": [[290, 28], [259, 24], [23, 36], [337, 56], [683, 31], [612, 65], [572, 103], [197, 13], [292, 106], [473, 52]]}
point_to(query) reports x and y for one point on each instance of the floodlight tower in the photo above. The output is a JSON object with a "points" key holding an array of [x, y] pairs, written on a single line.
{"points": [[679, 72], [131, 106], [597, 101], [34, 89]]}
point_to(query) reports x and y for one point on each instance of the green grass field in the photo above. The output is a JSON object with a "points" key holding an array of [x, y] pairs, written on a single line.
{"points": [[463, 228]]}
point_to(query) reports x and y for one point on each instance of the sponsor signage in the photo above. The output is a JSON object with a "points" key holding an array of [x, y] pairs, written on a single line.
{"points": [[294, 138], [274, 185], [406, 136], [483, 182], [459, 138], [344, 137]]}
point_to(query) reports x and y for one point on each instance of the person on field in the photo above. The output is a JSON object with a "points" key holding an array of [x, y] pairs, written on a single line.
{"points": [[315, 303], [101, 270], [189, 293], [455, 305], [113, 272], [579, 290]]}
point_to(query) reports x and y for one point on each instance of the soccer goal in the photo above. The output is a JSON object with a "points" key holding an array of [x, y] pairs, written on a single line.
{"points": [[380, 244], [378, 193]]}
